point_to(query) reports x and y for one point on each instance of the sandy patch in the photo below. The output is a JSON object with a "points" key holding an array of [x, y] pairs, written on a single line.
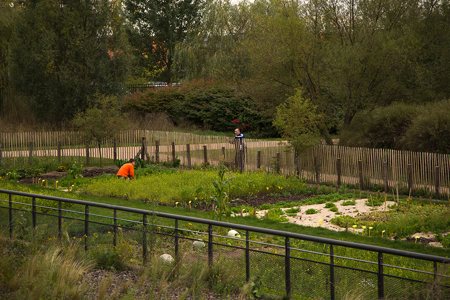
{"points": [[324, 215]]}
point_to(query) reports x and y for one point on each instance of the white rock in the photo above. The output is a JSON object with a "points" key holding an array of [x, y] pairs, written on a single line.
{"points": [[167, 258], [198, 244], [233, 233]]}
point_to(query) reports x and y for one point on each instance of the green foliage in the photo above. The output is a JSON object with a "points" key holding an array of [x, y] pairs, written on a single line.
{"points": [[381, 127], [348, 202], [311, 211], [344, 221], [220, 197], [430, 130], [59, 64], [299, 121], [107, 257], [276, 215], [374, 201], [101, 121], [203, 104]]}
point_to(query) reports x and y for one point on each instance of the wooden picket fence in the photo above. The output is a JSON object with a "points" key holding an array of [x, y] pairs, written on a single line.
{"points": [[365, 168]]}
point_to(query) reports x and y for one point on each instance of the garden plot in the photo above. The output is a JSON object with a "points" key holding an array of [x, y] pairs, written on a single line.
{"points": [[318, 215]]}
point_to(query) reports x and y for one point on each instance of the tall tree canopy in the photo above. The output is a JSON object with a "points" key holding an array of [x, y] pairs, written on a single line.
{"points": [[157, 26], [64, 52]]}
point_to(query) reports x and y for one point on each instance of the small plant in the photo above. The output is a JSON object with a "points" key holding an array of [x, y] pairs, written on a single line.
{"points": [[220, 197], [334, 209], [311, 211], [292, 211], [374, 201], [330, 205], [275, 214], [75, 171], [348, 202]]}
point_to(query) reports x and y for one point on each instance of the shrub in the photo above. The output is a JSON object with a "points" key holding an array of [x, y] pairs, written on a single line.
{"points": [[343, 221], [348, 202], [311, 211], [208, 106], [275, 214], [382, 127], [430, 130]]}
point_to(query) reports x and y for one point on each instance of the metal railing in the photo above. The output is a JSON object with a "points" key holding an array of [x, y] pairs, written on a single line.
{"points": [[293, 249]]}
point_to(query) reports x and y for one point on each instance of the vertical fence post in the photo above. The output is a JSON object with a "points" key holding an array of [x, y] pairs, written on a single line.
{"points": [[86, 226], [247, 256], [205, 154], [437, 181], [360, 174], [176, 240], [33, 212], [144, 238], [115, 150], [173, 153], [210, 245], [241, 156], [278, 163], [287, 267], [339, 171], [223, 153], [59, 220], [87, 154], [258, 160], [385, 176], [380, 276], [298, 166], [317, 169], [332, 289], [188, 154], [157, 151], [143, 148], [115, 228], [410, 179], [30, 152], [59, 152], [10, 216]]}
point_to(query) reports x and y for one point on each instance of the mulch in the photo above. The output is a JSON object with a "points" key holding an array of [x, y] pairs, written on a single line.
{"points": [[87, 172]]}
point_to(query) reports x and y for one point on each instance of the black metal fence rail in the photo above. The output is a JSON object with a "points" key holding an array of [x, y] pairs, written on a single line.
{"points": [[294, 259]]}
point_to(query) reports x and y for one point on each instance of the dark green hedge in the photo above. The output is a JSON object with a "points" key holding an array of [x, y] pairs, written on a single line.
{"points": [[206, 105]]}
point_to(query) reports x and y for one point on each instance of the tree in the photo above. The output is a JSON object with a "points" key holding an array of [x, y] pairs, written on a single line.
{"points": [[157, 26], [299, 122], [64, 52], [100, 122]]}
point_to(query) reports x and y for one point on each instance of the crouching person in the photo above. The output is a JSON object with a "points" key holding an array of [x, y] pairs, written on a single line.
{"points": [[126, 171]]}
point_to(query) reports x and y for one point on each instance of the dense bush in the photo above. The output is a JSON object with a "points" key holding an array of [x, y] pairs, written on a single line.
{"points": [[205, 105], [430, 130], [402, 126], [382, 127]]}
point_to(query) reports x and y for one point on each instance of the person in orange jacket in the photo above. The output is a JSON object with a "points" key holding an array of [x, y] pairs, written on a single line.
{"points": [[126, 171]]}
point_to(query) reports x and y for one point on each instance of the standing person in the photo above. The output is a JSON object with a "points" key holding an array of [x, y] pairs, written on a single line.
{"points": [[240, 149], [126, 171]]}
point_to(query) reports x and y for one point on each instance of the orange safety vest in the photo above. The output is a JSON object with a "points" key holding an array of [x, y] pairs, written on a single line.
{"points": [[126, 170]]}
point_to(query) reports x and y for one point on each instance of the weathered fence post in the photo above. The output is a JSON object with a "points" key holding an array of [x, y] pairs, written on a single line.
{"points": [[188, 154], [143, 148], [223, 153], [360, 173], [205, 154], [410, 179], [157, 151], [115, 150], [298, 166], [258, 160], [59, 152], [385, 176], [437, 181], [338, 171], [317, 169], [87, 154], [1, 154], [278, 163], [173, 153], [30, 152]]}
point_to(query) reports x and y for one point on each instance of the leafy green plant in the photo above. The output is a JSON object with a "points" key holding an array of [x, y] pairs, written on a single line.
{"points": [[275, 214], [220, 197], [292, 211], [348, 202], [311, 211], [374, 201], [343, 221], [75, 170]]}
